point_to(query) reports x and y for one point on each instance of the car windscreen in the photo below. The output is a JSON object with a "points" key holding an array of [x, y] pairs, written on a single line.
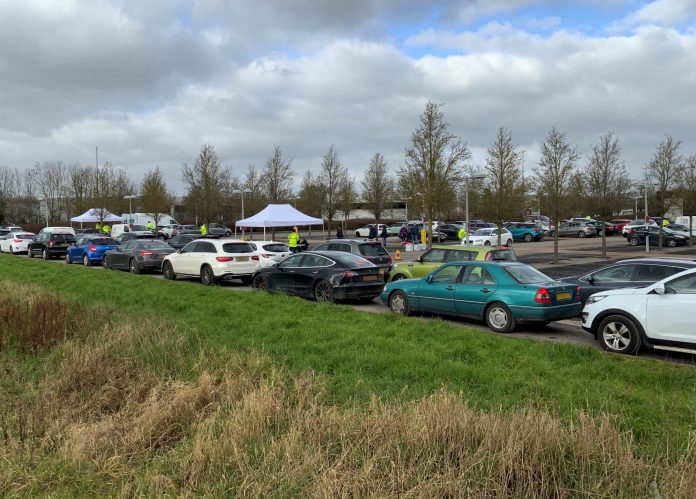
{"points": [[276, 248], [138, 227], [351, 261], [104, 240], [153, 244], [237, 248], [502, 255], [525, 274], [372, 249]]}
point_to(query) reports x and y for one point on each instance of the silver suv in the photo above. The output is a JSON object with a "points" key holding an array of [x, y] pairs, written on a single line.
{"points": [[574, 228]]}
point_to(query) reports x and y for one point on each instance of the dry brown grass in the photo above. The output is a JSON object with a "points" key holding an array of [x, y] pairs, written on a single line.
{"points": [[251, 430]]}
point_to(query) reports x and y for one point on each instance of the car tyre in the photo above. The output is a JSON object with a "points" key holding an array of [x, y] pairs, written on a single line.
{"points": [[30, 254], [357, 234], [398, 277], [499, 318], [581, 234], [86, 261], [619, 334], [67, 258], [528, 238], [207, 275], [11, 251], [486, 243], [508, 243], [259, 282], [44, 255], [133, 266], [168, 271], [633, 241], [107, 263], [399, 304], [671, 243], [228, 234], [323, 291]]}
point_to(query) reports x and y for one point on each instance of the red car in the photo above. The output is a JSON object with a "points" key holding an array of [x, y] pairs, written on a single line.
{"points": [[620, 222]]}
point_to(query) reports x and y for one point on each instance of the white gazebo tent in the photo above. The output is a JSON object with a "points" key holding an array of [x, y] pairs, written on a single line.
{"points": [[96, 214], [279, 215]]}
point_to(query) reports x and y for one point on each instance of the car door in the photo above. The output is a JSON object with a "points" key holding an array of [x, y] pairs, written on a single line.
{"points": [[649, 273], [614, 277], [670, 315], [477, 286], [283, 278], [187, 261], [436, 292], [307, 274], [204, 253], [121, 255]]}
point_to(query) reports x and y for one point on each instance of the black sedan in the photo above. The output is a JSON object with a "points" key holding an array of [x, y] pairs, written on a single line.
{"points": [[450, 230], [324, 276], [669, 237], [178, 242], [138, 255], [633, 273]]}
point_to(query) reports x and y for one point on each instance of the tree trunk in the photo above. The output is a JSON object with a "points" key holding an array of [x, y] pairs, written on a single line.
{"points": [[691, 230], [555, 240], [604, 238]]}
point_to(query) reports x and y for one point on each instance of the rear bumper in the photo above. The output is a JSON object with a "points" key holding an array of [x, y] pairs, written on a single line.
{"points": [[356, 291], [544, 314]]}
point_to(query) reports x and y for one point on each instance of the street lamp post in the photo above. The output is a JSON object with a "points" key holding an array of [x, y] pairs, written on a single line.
{"points": [[466, 202], [241, 193], [130, 198], [422, 215]]}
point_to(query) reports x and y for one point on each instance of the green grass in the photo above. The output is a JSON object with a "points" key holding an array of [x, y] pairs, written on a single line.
{"points": [[393, 357]]}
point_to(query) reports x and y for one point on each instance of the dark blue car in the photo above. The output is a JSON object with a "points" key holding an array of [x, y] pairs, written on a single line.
{"points": [[90, 249]]}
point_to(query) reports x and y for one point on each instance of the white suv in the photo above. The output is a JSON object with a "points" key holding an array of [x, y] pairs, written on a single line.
{"points": [[270, 252], [656, 316], [212, 260]]}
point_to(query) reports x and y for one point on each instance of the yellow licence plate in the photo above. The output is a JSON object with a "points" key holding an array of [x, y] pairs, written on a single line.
{"points": [[563, 296], [369, 278], [242, 259]]}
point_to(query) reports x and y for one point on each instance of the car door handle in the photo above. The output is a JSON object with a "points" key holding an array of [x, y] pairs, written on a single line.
{"points": [[450, 288], [486, 290]]}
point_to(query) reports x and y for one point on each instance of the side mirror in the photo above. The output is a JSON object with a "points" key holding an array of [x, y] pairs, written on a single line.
{"points": [[179, 251], [420, 259], [660, 288], [429, 279]]}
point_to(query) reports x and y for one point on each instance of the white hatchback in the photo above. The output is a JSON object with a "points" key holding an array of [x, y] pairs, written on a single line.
{"points": [[270, 252], [213, 260], [16, 242], [656, 316], [489, 237]]}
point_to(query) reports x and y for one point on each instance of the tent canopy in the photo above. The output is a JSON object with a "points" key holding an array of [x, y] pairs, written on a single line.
{"points": [[92, 215], [279, 215]]}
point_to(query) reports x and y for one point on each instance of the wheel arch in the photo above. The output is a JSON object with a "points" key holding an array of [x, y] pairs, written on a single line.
{"points": [[617, 311]]}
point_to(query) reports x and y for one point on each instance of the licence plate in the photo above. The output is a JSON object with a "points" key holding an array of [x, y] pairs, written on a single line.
{"points": [[370, 277], [563, 296], [242, 259]]}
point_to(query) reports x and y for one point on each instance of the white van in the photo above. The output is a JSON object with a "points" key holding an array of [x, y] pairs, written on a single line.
{"points": [[137, 229], [144, 219]]}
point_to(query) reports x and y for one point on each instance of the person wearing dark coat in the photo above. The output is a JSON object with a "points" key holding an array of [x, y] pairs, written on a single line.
{"points": [[339, 233], [384, 235], [414, 234], [373, 232]]}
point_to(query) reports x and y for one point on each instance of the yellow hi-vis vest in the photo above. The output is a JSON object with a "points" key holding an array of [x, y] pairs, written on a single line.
{"points": [[293, 239]]}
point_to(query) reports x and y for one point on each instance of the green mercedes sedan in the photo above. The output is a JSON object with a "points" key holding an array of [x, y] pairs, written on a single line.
{"points": [[502, 294], [437, 255]]}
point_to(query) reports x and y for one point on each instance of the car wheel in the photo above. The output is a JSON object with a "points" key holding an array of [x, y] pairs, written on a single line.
{"points": [[486, 243], [86, 261], [508, 243], [228, 234], [398, 277], [67, 258], [693, 239], [499, 318], [259, 282], [29, 253], [528, 237], [107, 263], [246, 280], [671, 243], [618, 334], [323, 292], [161, 237], [11, 251], [133, 266], [357, 234], [581, 234], [44, 255], [398, 303], [207, 276], [633, 241], [168, 271]]}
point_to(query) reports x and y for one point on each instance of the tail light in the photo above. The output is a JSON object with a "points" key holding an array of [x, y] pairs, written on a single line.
{"points": [[348, 274], [389, 259], [630, 232], [577, 293], [145, 253], [267, 255], [255, 257], [542, 296], [93, 248], [16, 241], [50, 243], [223, 259]]}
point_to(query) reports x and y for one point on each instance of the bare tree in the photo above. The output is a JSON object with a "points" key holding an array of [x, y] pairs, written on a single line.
{"points": [[663, 169], [255, 200], [310, 197], [606, 180], [377, 186], [503, 192], [155, 197], [80, 179], [332, 178], [435, 160], [206, 181], [52, 183], [686, 179], [277, 179], [554, 173], [347, 195]]}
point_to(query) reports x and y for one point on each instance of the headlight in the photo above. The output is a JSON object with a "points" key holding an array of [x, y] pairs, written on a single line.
{"points": [[594, 299]]}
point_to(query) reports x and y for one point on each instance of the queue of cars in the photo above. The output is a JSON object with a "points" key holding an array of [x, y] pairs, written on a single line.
{"points": [[620, 303]]}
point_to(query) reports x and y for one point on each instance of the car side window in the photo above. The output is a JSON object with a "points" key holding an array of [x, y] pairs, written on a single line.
{"points": [[614, 274], [446, 275], [190, 247], [316, 261], [685, 285], [205, 247], [654, 273], [343, 247], [127, 246], [474, 275], [291, 261], [434, 256]]}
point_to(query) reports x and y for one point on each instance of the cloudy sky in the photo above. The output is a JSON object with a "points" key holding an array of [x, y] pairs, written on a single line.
{"points": [[150, 81]]}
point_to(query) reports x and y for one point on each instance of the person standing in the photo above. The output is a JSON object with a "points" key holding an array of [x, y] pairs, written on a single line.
{"points": [[339, 233], [461, 234], [106, 230], [204, 230], [403, 233], [384, 235], [373, 232], [150, 226], [414, 234], [98, 227], [293, 240]]}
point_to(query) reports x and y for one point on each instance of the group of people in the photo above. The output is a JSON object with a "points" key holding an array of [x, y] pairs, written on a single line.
{"points": [[409, 234], [104, 229], [296, 244]]}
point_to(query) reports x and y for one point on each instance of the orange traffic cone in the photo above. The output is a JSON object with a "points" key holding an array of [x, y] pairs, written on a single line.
{"points": [[397, 256]]}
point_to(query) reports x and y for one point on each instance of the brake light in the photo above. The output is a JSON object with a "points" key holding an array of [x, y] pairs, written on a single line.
{"points": [[630, 232], [49, 244], [348, 274], [223, 259], [17, 241], [93, 248], [255, 257], [389, 259], [145, 253], [577, 293], [542, 296]]}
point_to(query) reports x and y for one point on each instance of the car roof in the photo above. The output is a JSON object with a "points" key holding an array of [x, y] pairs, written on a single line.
{"points": [[666, 261]]}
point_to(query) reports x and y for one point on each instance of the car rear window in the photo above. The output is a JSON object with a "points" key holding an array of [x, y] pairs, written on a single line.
{"points": [[237, 248], [276, 248], [525, 274], [104, 240], [153, 244], [504, 255], [352, 261], [62, 237], [24, 236], [372, 249]]}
